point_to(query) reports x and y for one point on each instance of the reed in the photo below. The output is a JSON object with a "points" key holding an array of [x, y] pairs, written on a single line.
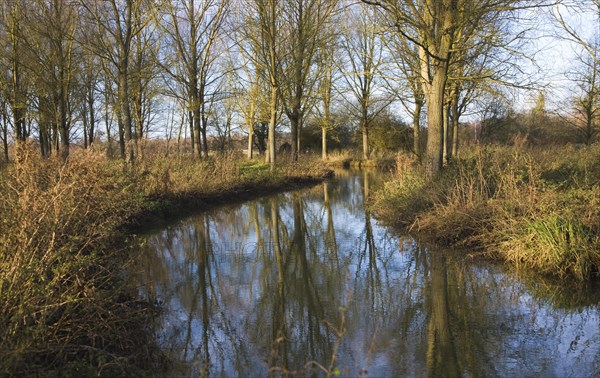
{"points": [[534, 208]]}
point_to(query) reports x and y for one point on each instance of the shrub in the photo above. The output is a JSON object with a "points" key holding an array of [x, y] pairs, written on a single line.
{"points": [[61, 298]]}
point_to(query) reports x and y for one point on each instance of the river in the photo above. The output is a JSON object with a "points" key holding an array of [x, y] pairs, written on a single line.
{"points": [[309, 282]]}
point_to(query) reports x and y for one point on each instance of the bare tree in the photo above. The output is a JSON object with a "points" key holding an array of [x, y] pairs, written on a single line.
{"points": [[325, 92], [585, 104], [434, 26], [192, 29], [403, 79], [118, 23], [362, 44], [263, 22], [306, 23], [53, 55], [590, 7], [13, 62]]}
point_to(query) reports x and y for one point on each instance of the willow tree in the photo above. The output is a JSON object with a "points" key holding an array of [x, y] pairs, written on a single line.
{"points": [[250, 73], [263, 20], [404, 68], [585, 103], [361, 42], [433, 26], [52, 28], [118, 23], [306, 24], [13, 62], [325, 94], [192, 28]]}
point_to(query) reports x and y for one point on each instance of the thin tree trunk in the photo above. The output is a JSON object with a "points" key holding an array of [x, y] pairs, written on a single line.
{"points": [[5, 132], [92, 120], [446, 142], [324, 143], [294, 133], [197, 133], [121, 135], [250, 138], [272, 122], [417, 129], [109, 151], [204, 121], [84, 119], [126, 113], [455, 120]]}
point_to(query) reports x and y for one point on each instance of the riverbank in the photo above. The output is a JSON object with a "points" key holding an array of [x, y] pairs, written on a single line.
{"points": [[347, 161], [65, 243], [536, 209]]}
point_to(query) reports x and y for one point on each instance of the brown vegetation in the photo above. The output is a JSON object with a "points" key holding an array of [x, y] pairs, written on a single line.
{"points": [[535, 208], [64, 303]]}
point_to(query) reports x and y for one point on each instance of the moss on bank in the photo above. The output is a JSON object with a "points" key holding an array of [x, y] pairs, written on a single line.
{"points": [[534, 208], [65, 304]]}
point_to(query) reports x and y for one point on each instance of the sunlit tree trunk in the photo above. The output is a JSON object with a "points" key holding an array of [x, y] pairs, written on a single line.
{"points": [[435, 120], [4, 111], [270, 158], [455, 118], [416, 121]]}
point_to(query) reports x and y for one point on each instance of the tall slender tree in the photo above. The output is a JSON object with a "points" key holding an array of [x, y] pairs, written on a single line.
{"points": [[361, 42], [306, 22], [118, 23], [192, 28], [53, 52]]}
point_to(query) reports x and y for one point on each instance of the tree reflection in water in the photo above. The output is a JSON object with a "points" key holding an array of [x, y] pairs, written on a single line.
{"points": [[264, 288]]}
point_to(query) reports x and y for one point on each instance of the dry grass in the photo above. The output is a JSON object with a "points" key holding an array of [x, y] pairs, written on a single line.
{"points": [[534, 208], [60, 299], [64, 303]]}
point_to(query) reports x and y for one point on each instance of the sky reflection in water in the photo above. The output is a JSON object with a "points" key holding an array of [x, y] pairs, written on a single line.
{"points": [[281, 283]]}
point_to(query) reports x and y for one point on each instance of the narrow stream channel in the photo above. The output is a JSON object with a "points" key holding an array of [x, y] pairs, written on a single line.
{"points": [[309, 280]]}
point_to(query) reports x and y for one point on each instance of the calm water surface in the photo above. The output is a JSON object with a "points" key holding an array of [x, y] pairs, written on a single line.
{"points": [[309, 280]]}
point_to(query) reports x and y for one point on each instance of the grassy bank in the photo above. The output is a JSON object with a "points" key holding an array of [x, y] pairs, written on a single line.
{"points": [[65, 305], [353, 159], [534, 208]]}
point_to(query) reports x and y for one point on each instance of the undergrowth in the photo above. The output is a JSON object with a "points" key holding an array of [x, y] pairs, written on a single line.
{"points": [[534, 208], [65, 305]]}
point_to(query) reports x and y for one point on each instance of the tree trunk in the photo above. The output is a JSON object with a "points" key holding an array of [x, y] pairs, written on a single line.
{"points": [[365, 141], [455, 119], [64, 141], [92, 119], [197, 134], [446, 155], [63, 125], [5, 132], [204, 122], [324, 143], [294, 121], [250, 138], [204, 138], [126, 113], [84, 119], [417, 129], [435, 121], [109, 151], [121, 135], [55, 138], [272, 122]]}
